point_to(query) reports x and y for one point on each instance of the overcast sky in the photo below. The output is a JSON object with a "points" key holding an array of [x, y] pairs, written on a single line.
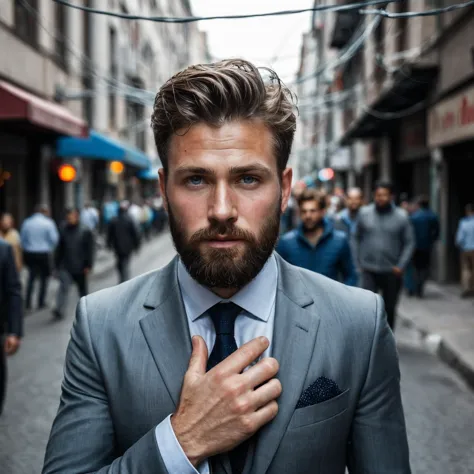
{"points": [[269, 41]]}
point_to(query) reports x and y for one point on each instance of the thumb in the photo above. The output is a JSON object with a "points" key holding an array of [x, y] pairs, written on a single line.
{"points": [[199, 356]]}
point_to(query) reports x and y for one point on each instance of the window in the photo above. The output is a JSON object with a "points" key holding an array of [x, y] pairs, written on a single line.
{"points": [[26, 21], [60, 44]]}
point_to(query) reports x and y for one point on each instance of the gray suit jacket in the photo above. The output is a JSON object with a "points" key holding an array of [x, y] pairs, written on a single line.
{"points": [[130, 348]]}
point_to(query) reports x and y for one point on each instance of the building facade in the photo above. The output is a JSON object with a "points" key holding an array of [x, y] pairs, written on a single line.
{"points": [[414, 113], [77, 87], [32, 60]]}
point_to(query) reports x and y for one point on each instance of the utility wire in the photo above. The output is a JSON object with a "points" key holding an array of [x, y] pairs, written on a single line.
{"points": [[191, 19], [433, 12], [355, 44]]}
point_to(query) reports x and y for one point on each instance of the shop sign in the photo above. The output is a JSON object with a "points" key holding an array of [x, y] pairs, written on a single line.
{"points": [[452, 120]]}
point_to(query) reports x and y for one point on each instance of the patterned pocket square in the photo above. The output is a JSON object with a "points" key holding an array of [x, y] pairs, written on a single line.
{"points": [[321, 390]]}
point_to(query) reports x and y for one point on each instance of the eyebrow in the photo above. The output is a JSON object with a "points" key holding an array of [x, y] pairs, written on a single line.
{"points": [[234, 170]]}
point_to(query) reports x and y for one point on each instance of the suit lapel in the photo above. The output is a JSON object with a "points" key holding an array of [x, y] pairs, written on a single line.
{"points": [[294, 336], [166, 329]]}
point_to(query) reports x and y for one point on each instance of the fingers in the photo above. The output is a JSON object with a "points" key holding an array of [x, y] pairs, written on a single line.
{"points": [[264, 370], [198, 360], [244, 356], [265, 414], [265, 394]]}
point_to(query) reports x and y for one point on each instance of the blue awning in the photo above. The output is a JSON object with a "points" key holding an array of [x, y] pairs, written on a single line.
{"points": [[100, 147], [150, 174]]}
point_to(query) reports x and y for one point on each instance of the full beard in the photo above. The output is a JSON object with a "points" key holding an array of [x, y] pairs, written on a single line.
{"points": [[312, 227], [226, 267]]}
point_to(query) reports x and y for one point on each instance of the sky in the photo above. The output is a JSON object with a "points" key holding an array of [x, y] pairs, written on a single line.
{"points": [[268, 41]]}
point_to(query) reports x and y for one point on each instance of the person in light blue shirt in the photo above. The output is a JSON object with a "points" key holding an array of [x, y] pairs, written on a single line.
{"points": [[39, 238], [90, 216], [465, 242]]}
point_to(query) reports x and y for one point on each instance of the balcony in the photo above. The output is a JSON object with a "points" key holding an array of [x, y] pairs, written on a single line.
{"points": [[409, 87]]}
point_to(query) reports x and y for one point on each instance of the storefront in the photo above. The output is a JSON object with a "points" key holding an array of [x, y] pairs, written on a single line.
{"points": [[116, 178], [451, 141], [29, 127]]}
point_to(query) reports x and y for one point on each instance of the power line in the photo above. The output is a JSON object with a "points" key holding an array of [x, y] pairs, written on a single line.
{"points": [[357, 41], [433, 12], [191, 19]]}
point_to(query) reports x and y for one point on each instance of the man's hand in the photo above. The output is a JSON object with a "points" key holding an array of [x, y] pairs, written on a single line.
{"points": [[12, 343], [220, 409], [397, 271]]}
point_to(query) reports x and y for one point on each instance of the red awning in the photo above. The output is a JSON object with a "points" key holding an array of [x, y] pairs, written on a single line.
{"points": [[17, 104]]}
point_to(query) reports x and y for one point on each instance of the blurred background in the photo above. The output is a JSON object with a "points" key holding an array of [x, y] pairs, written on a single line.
{"points": [[381, 96]]}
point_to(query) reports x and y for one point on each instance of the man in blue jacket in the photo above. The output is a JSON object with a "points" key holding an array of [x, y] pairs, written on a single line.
{"points": [[315, 244], [426, 228]]}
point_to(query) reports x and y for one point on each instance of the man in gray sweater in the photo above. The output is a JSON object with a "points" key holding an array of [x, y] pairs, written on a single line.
{"points": [[383, 246]]}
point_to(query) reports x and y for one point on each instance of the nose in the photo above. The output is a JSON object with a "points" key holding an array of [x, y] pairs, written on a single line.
{"points": [[222, 207]]}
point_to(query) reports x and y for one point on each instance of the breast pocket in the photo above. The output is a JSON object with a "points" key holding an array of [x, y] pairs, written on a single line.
{"points": [[320, 412]]}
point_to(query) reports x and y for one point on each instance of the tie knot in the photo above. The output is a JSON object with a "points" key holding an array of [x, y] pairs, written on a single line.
{"points": [[223, 316]]}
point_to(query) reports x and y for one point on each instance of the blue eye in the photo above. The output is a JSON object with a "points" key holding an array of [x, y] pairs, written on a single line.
{"points": [[249, 180], [195, 180]]}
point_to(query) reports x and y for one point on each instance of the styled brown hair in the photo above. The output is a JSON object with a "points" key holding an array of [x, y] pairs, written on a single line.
{"points": [[221, 92], [310, 194]]}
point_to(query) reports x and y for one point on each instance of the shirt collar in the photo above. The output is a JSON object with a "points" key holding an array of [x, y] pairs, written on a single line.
{"points": [[198, 299]]}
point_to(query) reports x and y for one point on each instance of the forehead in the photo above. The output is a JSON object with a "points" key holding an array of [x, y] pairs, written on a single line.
{"points": [[382, 191], [233, 143], [309, 205]]}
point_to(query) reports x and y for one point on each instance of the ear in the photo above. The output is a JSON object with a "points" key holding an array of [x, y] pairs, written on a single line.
{"points": [[286, 179], [162, 180]]}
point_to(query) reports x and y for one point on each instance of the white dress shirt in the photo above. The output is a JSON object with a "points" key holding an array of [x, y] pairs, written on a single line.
{"points": [[257, 301]]}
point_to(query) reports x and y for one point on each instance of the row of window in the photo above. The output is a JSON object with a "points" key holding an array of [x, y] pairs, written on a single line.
{"points": [[27, 25]]}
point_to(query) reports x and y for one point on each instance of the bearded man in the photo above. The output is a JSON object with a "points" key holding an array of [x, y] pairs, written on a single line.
{"points": [[228, 360]]}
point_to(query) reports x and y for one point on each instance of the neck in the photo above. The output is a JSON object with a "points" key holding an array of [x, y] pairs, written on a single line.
{"points": [[225, 293]]}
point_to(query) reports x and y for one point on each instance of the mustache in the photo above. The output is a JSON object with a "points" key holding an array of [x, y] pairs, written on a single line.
{"points": [[212, 233]]}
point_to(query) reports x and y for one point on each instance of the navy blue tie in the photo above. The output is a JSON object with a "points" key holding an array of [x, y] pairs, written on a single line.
{"points": [[223, 316]]}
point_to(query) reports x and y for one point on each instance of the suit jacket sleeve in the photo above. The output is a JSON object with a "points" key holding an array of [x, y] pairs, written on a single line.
{"points": [[82, 437], [379, 440], [12, 294], [408, 245]]}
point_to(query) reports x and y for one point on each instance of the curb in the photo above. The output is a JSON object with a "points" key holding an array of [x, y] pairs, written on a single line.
{"points": [[443, 350]]}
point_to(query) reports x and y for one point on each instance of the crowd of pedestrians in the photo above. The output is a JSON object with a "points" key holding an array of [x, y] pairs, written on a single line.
{"points": [[65, 251], [378, 245]]}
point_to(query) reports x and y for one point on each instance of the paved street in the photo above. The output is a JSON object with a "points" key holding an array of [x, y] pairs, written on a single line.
{"points": [[439, 407]]}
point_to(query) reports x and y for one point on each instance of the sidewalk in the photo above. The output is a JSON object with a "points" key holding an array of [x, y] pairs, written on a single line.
{"points": [[104, 263], [446, 323]]}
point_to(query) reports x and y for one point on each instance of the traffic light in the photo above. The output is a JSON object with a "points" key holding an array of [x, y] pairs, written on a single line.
{"points": [[116, 167], [67, 173]]}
